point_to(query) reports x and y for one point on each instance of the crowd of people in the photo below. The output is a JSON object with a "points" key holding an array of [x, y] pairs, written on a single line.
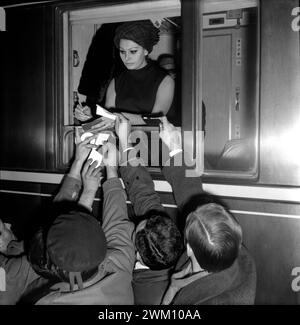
{"points": [[145, 257]]}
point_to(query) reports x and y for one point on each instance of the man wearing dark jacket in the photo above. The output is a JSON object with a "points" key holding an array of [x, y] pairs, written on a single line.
{"points": [[84, 262], [215, 268]]}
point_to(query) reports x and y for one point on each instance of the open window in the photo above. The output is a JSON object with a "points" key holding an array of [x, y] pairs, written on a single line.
{"points": [[215, 45], [91, 60]]}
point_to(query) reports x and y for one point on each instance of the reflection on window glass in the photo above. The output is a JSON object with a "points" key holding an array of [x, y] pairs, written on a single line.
{"points": [[230, 83]]}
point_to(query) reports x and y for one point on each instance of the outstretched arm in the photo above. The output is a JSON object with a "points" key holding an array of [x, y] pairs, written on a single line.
{"points": [[91, 177], [137, 180], [183, 187], [116, 225]]}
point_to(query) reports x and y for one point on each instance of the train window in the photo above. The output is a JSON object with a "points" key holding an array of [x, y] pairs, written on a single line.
{"points": [[91, 61], [228, 77], [230, 70]]}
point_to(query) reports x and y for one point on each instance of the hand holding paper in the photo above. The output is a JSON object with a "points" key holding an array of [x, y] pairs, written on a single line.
{"points": [[105, 113], [99, 141]]}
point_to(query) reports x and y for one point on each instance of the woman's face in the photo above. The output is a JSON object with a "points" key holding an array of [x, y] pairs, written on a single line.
{"points": [[132, 54]]}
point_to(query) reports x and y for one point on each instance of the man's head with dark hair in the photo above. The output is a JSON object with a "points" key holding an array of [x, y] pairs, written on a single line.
{"points": [[214, 236], [158, 241], [71, 248]]}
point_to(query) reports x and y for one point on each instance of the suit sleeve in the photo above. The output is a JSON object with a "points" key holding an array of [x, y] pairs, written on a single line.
{"points": [[183, 187], [117, 227], [140, 189], [69, 190]]}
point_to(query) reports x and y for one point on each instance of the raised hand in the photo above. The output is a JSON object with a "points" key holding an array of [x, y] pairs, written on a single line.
{"points": [[83, 148], [111, 159], [91, 176], [82, 113], [170, 135], [104, 124], [110, 155]]}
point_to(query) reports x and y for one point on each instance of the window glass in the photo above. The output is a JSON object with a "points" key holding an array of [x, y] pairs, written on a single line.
{"points": [[230, 79], [230, 90]]}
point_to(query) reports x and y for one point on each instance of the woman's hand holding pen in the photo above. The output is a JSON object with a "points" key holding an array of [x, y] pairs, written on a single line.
{"points": [[82, 113]]}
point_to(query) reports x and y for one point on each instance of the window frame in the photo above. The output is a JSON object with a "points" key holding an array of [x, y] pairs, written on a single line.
{"points": [[192, 17], [191, 76]]}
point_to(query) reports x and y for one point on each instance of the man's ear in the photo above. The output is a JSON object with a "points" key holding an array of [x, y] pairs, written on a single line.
{"points": [[146, 52]]}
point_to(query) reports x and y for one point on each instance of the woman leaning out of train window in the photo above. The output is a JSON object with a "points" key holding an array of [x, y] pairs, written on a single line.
{"points": [[143, 87]]}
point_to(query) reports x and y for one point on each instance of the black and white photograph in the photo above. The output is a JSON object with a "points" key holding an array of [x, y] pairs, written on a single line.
{"points": [[150, 156]]}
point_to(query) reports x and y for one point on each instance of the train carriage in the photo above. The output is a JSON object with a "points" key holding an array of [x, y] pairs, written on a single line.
{"points": [[237, 102]]}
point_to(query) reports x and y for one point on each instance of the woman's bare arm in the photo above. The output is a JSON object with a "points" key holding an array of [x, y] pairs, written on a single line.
{"points": [[110, 101], [164, 96]]}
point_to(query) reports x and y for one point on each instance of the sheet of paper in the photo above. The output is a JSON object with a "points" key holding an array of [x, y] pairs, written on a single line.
{"points": [[101, 138], [103, 112], [96, 156]]}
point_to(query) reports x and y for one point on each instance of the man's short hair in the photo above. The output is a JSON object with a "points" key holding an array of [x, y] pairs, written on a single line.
{"points": [[160, 242], [214, 235]]}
